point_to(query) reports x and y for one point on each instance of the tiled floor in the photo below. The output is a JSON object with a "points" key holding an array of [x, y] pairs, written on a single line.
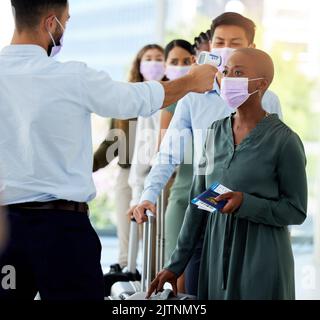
{"points": [[307, 273]]}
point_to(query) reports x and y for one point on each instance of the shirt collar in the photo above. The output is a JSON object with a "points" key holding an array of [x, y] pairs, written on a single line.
{"points": [[23, 50]]}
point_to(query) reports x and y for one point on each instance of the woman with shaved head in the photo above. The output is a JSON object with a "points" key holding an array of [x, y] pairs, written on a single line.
{"points": [[247, 252]]}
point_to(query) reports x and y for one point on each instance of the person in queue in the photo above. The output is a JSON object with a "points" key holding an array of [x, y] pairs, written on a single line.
{"points": [[192, 117], [247, 253]]}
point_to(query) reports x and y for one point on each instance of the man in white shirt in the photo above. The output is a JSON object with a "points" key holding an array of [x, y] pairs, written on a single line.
{"points": [[46, 152]]}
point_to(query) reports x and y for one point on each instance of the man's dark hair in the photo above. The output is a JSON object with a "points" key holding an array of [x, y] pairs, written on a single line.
{"points": [[29, 12], [235, 19]]}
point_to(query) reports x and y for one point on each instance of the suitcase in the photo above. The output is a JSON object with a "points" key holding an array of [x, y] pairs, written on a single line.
{"points": [[133, 290], [148, 252], [129, 273], [123, 289]]}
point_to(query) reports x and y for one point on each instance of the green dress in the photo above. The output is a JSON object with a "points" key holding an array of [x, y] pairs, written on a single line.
{"points": [[247, 255], [178, 202]]}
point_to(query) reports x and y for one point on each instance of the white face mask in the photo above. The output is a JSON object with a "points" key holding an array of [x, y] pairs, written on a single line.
{"points": [[152, 70], [56, 48], [235, 91], [176, 72]]}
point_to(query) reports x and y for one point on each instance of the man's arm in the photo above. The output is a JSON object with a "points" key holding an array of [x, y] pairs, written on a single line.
{"points": [[108, 98], [200, 80]]}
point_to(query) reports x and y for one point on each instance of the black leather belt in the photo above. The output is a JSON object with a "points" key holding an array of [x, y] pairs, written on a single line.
{"points": [[63, 205]]}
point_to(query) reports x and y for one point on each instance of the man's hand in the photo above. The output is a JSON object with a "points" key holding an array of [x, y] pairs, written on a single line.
{"points": [[139, 212], [234, 199], [202, 77], [161, 278]]}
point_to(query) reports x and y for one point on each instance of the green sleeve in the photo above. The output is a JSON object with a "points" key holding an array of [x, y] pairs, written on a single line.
{"points": [[191, 230], [100, 156], [171, 108], [291, 208]]}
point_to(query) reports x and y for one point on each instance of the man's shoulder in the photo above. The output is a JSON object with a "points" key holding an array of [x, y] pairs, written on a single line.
{"points": [[269, 94], [271, 103], [271, 98], [70, 67]]}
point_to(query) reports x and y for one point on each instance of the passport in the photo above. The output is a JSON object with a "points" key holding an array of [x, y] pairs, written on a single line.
{"points": [[206, 200]]}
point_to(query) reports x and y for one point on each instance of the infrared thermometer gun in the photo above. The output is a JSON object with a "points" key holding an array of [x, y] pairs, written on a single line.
{"points": [[206, 57]]}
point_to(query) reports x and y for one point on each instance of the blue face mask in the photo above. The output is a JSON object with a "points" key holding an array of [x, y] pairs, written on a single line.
{"points": [[55, 47]]}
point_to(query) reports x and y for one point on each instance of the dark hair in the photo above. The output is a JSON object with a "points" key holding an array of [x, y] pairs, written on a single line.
{"points": [[235, 19], [28, 12], [181, 44], [203, 38], [135, 74]]}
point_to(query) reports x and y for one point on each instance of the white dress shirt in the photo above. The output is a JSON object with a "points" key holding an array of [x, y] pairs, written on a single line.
{"points": [[45, 122]]}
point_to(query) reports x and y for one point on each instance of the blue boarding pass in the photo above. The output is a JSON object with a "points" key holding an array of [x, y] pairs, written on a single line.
{"points": [[206, 200]]}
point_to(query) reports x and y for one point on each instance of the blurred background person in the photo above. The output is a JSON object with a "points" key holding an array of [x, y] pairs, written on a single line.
{"points": [[179, 56], [148, 65], [152, 65], [202, 42]]}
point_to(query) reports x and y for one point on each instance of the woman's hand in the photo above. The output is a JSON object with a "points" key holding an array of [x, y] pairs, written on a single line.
{"points": [[161, 278], [234, 199]]}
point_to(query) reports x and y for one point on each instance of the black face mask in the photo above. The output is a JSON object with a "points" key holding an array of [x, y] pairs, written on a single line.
{"points": [[56, 45], [51, 46]]}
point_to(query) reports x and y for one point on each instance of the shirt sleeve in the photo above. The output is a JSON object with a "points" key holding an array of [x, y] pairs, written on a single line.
{"points": [[144, 151], [120, 100], [291, 207], [171, 154]]}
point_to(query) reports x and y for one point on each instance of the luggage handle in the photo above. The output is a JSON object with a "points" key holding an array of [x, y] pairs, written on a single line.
{"points": [[148, 252], [133, 246]]}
